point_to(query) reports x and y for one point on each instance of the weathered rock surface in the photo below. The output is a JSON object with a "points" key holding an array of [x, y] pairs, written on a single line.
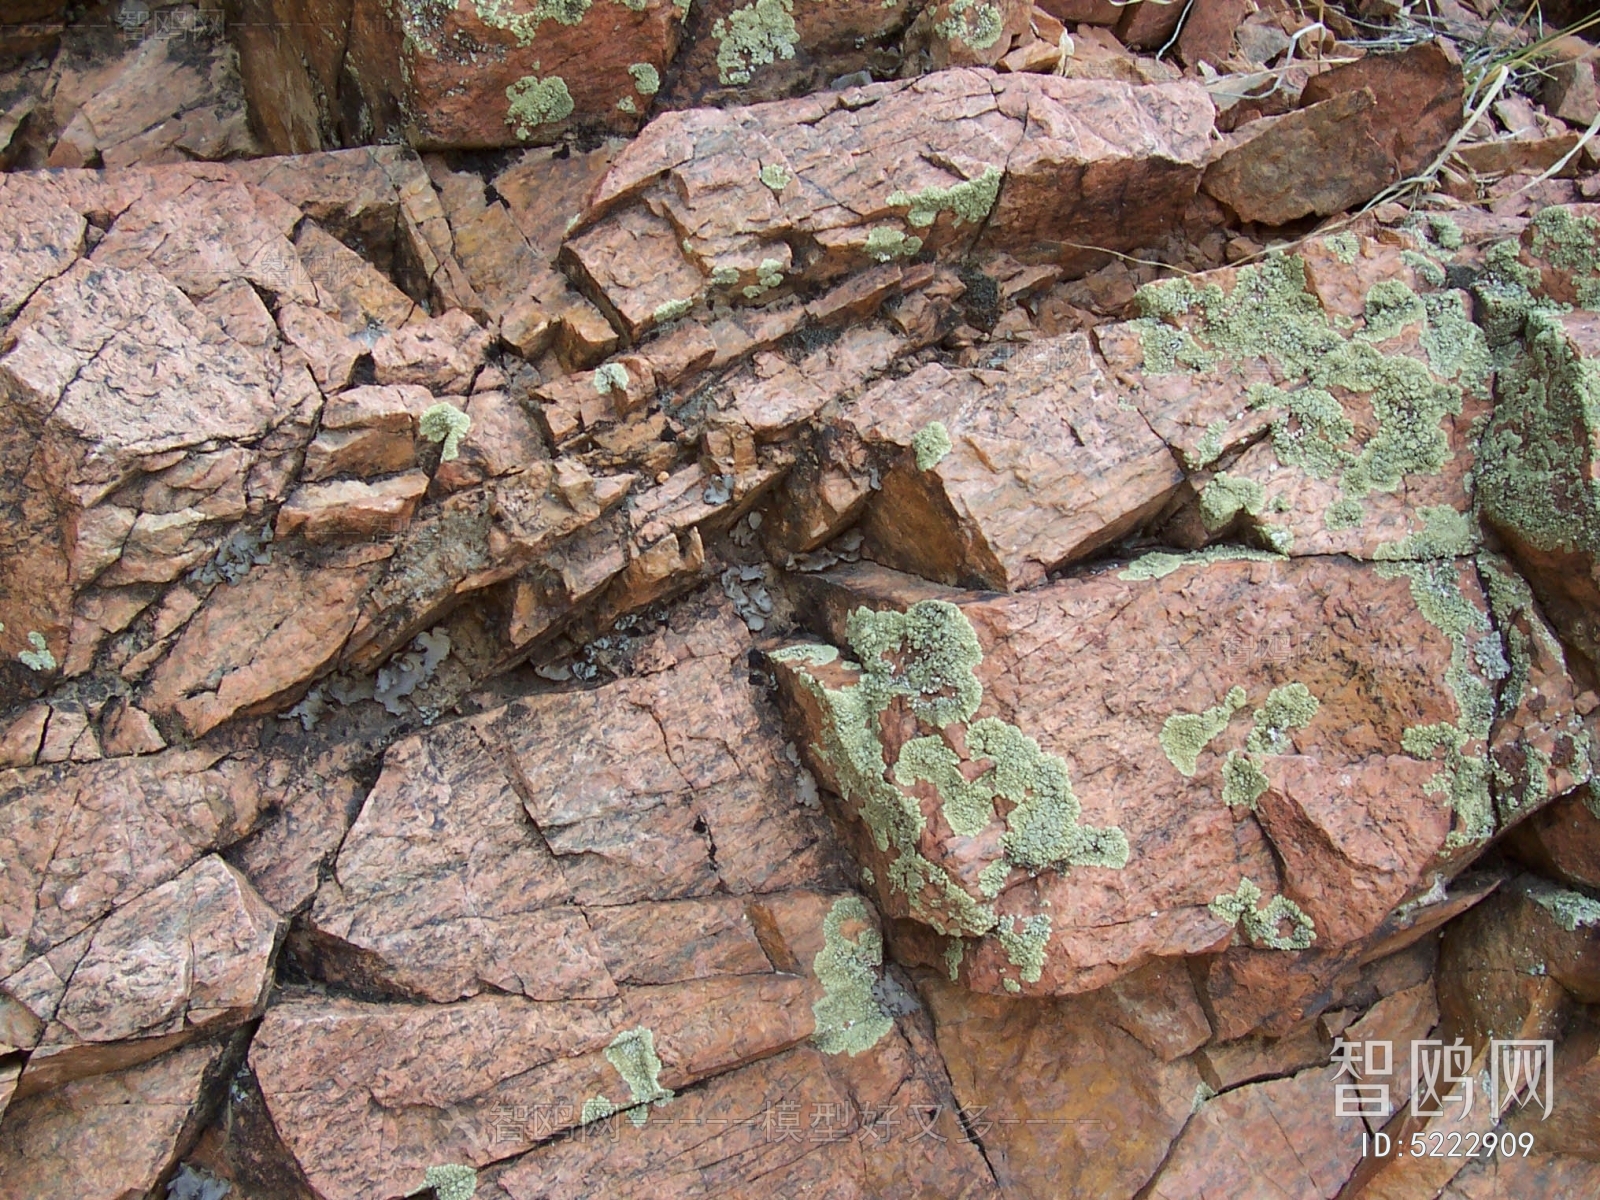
{"points": [[998, 477], [185, 959], [1326, 401], [1020, 851], [111, 1136], [750, 202]]}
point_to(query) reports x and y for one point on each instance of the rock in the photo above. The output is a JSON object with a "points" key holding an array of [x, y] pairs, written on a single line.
{"points": [[1275, 1134], [186, 959], [1100, 862], [1100, 1109], [1534, 1175], [738, 186], [1366, 378], [1419, 94], [258, 644], [110, 1136], [43, 238], [441, 355], [1563, 840], [1148, 24], [1570, 92], [107, 371], [1208, 31], [501, 1050], [92, 837], [1319, 159], [1513, 956], [367, 431], [484, 77], [999, 477], [351, 508]]}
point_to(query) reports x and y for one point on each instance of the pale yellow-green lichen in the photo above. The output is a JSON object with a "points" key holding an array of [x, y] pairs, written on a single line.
{"points": [[1571, 241], [1345, 514], [595, 1108], [884, 244], [1263, 926], [1287, 708], [499, 14], [447, 424], [646, 79], [978, 25], [1463, 776], [671, 310], [776, 176], [969, 201], [1345, 246], [39, 657], [926, 658], [953, 954], [449, 1181], [1024, 942], [633, 1054], [1160, 563], [610, 377], [931, 444], [992, 879], [756, 35], [1226, 496], [627, 105], [535, 102], [1569, 909], [848, 1016], [1444, 232], [1445, 533], [769, 274], [1185, 735], [1242, 781]]}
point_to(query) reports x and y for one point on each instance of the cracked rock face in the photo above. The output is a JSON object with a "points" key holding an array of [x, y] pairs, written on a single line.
{"points": [[768, 617]]}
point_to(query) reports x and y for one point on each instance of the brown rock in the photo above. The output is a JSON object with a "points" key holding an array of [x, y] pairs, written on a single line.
{"points": [[1244, 624], [351, 508], [1275, 1137], [999, 477], [1207, 33], [1320, 159], [441, 355], [484, 76], [840, 163], [1570, 1123], [1534, 1175], [1563, 840], [1419, 94], [1570, 92], [89, 838], [111, 1136], [24, 734], [183, 960], [107, 369], [259, 643], [367, 431], [1098, 1110], [43, 238], [1149, 23]]}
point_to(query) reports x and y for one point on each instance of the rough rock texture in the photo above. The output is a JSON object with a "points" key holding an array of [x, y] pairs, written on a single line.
{"points": [[747, 203], [1020, 870]]}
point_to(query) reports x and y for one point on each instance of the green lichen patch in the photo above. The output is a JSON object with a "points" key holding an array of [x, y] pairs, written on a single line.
{"points": [[930, 444], [627, 105], [449, 1181], [769, 274], [1345, 246], [925, 659], [39, 657], [1345, 514], [1444, 232], [671, 310], [633, 1053], [1534, 474], [1024, 942], [499, 14], [977, 25], [610, 377], [848, 1015], [1571, 910], [1287, 708], [1463, 775], [953, 954], [1389, 307], [968, 202], [1264, 926], [1226, 496], [646, 79], [754, 36], [776, 176], [884, 244], [1185, 735], [1243, 783], [1570, 242], [535, 102], [1445, 533], [447, 424], [1158, 564], [595, 1108]]}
